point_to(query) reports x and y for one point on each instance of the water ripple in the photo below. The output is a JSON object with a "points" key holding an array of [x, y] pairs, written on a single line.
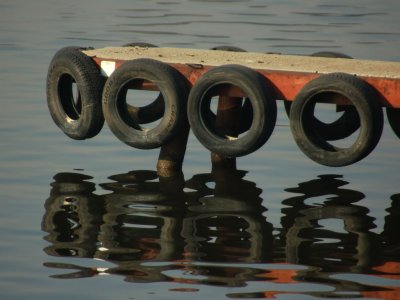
{"points": [[336, 15], [254, 23]]}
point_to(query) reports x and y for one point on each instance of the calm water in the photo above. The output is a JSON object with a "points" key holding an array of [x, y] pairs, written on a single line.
{"points": [[91, 220]]}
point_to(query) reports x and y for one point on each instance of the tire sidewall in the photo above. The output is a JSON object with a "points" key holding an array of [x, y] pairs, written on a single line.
{"points": [[346, 124], [264, 111], [71, 62], [369, 112], [173, 91]]}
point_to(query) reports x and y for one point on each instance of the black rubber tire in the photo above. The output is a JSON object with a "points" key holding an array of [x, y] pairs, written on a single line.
{"points": [[363, 97], [393, 116], [346, 124], [331, 54], [79, 118], [72, 48], [228, 48], [172, 86], [140, 44], [260, 96]]}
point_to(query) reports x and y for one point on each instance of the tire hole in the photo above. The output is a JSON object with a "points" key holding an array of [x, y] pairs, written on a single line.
{"points": [[134, 103], [70, 97]]}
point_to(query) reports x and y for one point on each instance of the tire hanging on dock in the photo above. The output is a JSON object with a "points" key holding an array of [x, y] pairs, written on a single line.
{"points": [[228, 48], [74, 89], [140, 44], [255, 87], [309, 139], [173, 88], [346, 124]]}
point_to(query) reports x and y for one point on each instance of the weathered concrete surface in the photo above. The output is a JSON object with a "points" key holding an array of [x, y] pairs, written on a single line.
{"points": [[291, 63]]}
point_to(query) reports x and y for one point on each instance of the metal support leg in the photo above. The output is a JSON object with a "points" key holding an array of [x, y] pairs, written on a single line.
{"points": [[172, 154]]}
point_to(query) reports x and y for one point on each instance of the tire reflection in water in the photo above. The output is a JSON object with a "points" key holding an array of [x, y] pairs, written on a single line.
{"points": [[142, 223], [227, 226], [162, 221], [309, 242], [354, 249], [73, 216], [212, 230]]}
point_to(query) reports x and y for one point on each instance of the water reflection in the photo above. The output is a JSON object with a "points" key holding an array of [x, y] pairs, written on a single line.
{"points": [[146, 218], [73, 216], [309, 242], [212, 229]]}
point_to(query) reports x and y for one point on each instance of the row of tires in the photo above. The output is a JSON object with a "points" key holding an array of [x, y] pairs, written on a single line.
{"points": [[80, 99]]}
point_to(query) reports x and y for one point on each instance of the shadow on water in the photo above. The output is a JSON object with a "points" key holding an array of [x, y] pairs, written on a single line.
{"points": [[211, 230]]}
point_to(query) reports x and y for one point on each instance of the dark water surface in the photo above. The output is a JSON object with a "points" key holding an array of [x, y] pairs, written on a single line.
{"points": [[91, 220]]}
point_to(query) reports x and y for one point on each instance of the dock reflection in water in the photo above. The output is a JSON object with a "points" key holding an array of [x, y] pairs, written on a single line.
{"points": [[212, 230]]}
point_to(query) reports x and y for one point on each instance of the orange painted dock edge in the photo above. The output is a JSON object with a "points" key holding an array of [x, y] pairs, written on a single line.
{"points": [[286, 83]]}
